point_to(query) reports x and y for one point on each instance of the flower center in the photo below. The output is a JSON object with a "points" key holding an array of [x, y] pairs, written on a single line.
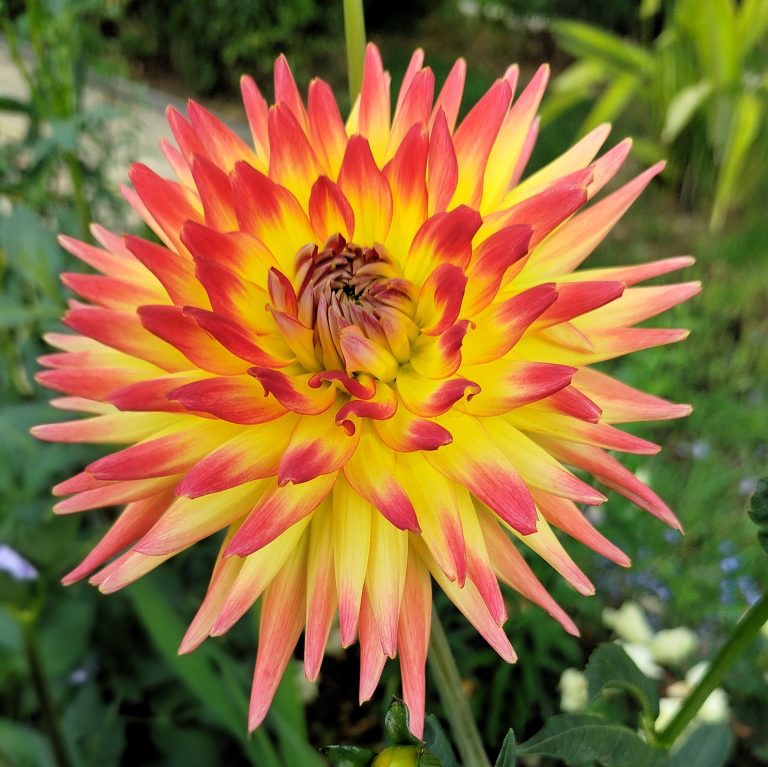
{"points": [[346, 285]]}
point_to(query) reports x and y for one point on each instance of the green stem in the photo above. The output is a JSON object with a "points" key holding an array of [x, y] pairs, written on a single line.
{"points": [[742, 636], [354, 34], [442, 666], [40, 683], [82, 206]]}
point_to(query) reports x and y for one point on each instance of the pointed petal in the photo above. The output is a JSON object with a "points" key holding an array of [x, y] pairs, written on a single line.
{"points": [[367, 190], [351, 544], [330, 211], [440, 298], [371, 473], [490, 265], [413, 640], [321, 594], [278, 509], [255, 453], [426, 397], [329, 137], [513, 570], [281, 621], [317, 447], [385, 579], [475, 462], [132, 523], [372, 657], [188, 520], [474, 139], [443, 238], [502, 324], [443, 167], [508, 383], [237, 399], [437, 501], [373, 118]]}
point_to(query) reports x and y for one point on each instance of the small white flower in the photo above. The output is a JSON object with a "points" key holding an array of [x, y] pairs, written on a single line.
{"points": [[644, 475], [668, 707], [15, 565], [305, 688], [678, 689], [715, 707], [671, 646], [695, 673], [573, 691], [629, 623], [641, 656]]}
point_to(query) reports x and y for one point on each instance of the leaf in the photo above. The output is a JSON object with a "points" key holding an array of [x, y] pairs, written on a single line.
{"points": [[751, 23], [580, 739], [348, 756], [758, 512], [227, 705], [428, 759], [585, 41], [610, 667], [10, 104], [610, 105], [506, 756], [437, 741], [745, 122], [709, 745], [682, 107], [649, 8], [22, 746], [396, 723]]}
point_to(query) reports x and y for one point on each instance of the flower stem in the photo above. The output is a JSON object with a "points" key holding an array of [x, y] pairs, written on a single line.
{"points": [[448, 683], [354, 33], [43, 690], [741, 637]]}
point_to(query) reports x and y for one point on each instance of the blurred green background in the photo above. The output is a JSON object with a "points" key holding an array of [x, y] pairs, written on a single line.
{"points": [[89, 680]]}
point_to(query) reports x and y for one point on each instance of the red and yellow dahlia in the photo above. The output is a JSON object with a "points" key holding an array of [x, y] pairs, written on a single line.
{"points": [[362, 352]]}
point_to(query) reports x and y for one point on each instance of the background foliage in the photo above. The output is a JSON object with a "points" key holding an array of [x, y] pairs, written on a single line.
{"points": [[103, 673]]}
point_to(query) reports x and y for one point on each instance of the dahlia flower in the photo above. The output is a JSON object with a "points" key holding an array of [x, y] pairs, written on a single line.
{"points": [[363, 354]]}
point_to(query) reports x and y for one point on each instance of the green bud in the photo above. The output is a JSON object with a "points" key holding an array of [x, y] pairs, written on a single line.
{"points": [[398, 756]]}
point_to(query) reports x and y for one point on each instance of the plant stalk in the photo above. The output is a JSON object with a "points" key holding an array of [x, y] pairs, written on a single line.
{"points": [[442, 666], [354, 34], [744, 632], [43, 690]]}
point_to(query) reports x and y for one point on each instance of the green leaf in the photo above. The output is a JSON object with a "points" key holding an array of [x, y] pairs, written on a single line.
{"points": [[348, 756], [616, 96], [10, 104], [428, 759], [751, 23], [683, 107], [649, 8], [22, 746], [610, 668], [437, 741], [758, 512], [507, 756], [396, 723], [745, 122], [709, 745], [580, 739], [585, 41], [227, 706]]}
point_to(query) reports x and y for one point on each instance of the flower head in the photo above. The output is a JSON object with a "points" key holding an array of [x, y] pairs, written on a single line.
{"points": [[363, 353]]}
